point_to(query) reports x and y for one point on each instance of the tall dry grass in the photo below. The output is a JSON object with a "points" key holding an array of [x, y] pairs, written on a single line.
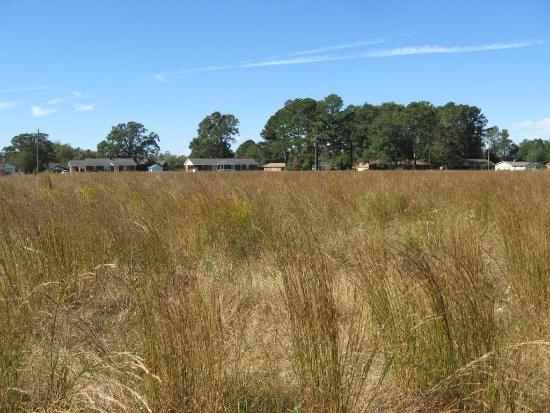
{"points": [[291, 292]]}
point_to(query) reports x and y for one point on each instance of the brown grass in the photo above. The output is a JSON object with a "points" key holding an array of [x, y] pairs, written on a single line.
{"points": [[292, 292]]}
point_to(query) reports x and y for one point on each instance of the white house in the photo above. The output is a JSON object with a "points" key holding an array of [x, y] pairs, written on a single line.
{"points": [[220, 164], [155, 168], [517, 166]]}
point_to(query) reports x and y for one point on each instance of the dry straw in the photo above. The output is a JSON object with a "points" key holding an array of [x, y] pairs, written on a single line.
{"points": [[291, 292]]}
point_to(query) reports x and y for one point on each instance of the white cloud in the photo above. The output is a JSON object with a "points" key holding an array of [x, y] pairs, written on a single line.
{"points": [[56, 101], [389, 53], [295, 61], [161, 77], [532, 129], [338, 47], [37, 111], [80, 94], [457, 49], [301, 59], [7, 105], [205, 69], [24, 89], [84, 108]]}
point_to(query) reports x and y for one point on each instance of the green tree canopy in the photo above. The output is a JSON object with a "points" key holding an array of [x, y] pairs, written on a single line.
{"points": [[29, 149], [250, 149], [458, 133], [64, 152], [276, 134], [129, 140], [295, 132], [305, 130], [502, 147], [215, 136], [534, 150], [388, 145], [419, 128], [174, 162]]}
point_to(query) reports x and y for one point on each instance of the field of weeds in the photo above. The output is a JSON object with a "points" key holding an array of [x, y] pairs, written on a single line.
{"points": [[265, 292]]}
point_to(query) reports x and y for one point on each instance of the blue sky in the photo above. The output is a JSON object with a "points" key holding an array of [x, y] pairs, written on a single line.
{"points": [[74, 69]]}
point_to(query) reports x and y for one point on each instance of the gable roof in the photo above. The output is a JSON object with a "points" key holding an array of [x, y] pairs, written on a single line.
{"points": [[103, 162], [477, 162], [155, 167], [220, 161]]}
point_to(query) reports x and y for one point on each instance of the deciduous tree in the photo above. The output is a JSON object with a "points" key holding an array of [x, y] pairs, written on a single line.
{"points": [[216, 133], [129, 140], [29, 150]]}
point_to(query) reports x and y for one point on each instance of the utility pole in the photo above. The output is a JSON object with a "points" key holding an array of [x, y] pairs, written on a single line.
{"points": [[37, 138], [489, 141]]}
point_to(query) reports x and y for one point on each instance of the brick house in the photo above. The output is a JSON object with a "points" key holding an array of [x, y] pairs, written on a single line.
{"points": [[102, 165]]}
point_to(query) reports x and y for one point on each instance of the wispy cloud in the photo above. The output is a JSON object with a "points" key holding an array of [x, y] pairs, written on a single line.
{"points": [[297, 61], [38, 112], [161, 77], [80, 94], [314, 56], [207, 69], [338, 47], [439, 49], [391, 52], [56, 101], [532, 129], [7, 105], [25, 89], [84, 108]]}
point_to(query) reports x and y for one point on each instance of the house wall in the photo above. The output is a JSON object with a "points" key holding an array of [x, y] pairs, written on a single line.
{"points": [[223, 167], [508, 167], [9, 168], [91, 168]]}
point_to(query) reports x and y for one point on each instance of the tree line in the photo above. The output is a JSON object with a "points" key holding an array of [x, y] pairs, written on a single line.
{"points": [[29, 151], [306, 133]]}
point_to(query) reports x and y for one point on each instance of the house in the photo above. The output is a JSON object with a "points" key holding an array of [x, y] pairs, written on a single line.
{"points": [[405, 165], [8, 169], [155, 168], [274, 166], [361, 166], [321, 166], [220, 164], [102, 165], [477, 164], [517, 166]]}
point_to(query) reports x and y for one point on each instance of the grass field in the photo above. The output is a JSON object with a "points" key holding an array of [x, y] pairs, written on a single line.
{"points": [[275, 292]]}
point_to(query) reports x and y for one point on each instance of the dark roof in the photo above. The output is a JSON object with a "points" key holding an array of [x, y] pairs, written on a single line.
{"points": [[220, 161], [477, 162], [103, 162]]}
